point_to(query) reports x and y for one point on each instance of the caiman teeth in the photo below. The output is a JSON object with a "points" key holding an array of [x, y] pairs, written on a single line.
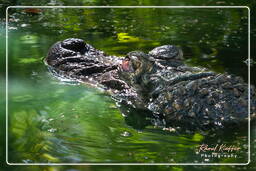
{"points": [[125, 65]]}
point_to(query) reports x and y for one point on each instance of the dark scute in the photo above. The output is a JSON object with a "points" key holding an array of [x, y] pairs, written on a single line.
{"points": [[114, 84], [92, 70], [165, 52], [54, 53], [77, 45]]}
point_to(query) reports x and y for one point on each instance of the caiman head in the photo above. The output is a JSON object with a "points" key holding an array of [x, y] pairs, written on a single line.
{"points": [[78, 60]]}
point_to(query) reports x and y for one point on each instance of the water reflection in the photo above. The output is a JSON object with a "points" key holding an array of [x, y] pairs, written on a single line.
{"points": [[69, 129], [77, 124]]}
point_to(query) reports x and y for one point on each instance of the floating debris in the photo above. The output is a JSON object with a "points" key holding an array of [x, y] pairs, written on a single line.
{"points": [[52, 130], [32, 10], [24, 25], [12, 28], [126, 134], [170, 129], [27, 161], [250, 62]]}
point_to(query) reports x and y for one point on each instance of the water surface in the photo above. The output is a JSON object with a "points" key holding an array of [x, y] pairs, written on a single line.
{"points": [[56, 121]]}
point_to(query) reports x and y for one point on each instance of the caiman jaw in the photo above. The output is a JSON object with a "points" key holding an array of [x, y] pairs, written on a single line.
{"points": [[126, 65]]}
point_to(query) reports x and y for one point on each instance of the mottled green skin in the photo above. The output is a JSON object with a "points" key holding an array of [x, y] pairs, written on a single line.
{"points": [[159, 82]]}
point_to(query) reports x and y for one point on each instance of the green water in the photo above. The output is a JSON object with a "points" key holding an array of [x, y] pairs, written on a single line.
{"points": [[56, 121]]}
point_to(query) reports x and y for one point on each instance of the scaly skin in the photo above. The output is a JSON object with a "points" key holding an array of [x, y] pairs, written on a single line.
{"points": [[159, 82]]}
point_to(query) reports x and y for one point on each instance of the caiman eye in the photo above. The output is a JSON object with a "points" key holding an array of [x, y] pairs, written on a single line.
{"points": [[136, 63]]}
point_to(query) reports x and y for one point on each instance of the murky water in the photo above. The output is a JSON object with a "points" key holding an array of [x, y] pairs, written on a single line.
{"points": [[62, 122]]}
